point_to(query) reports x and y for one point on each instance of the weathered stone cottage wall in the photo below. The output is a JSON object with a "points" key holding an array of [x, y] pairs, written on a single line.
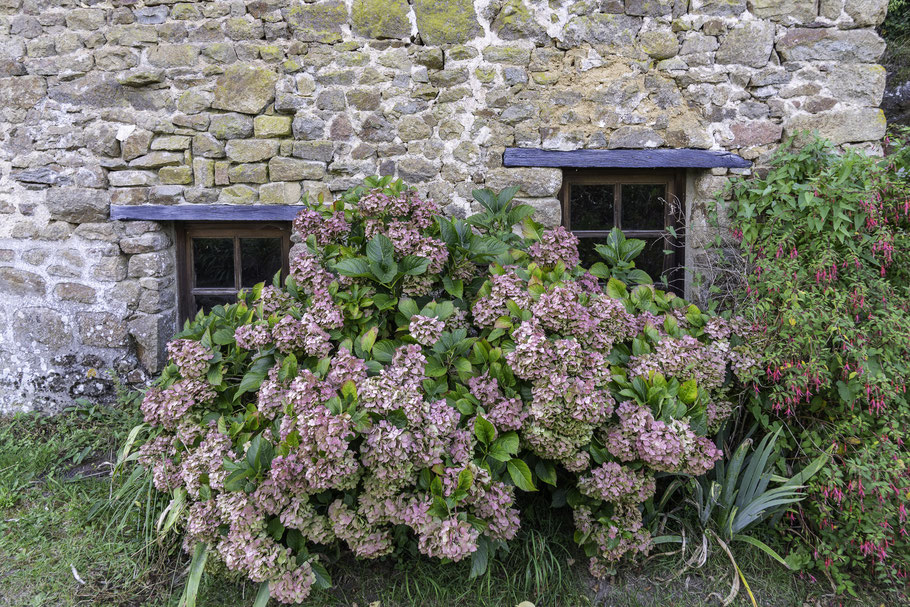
{"points": [[225, 101]]}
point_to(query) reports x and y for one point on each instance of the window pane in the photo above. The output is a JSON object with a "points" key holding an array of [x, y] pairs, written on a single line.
{"points": [[591, 207], [586, 250], [207, 302], [643, 206], [213, 262], [652, 257], [260, 258]]}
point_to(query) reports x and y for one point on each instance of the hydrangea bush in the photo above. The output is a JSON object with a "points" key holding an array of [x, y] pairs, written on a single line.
{"points": [[411, 375]]}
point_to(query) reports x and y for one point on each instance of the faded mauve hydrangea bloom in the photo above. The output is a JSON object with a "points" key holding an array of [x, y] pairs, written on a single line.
{"points": [[556, 245], [425, 329]]}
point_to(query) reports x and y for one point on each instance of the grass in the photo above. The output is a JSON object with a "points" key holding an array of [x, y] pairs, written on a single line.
{"points": [[55, 471]]}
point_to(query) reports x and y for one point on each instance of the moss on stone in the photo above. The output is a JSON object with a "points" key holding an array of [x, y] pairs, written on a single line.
{"points": [[381, 18], [446, 21], [516, 22], [245, 88], [485, 74], [320, 22]]}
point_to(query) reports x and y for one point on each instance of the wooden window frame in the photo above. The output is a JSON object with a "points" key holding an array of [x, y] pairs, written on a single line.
{"points": [[675, 182], [186, 277]]}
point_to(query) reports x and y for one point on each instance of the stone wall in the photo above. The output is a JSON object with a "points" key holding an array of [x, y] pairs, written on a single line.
{"points": [[225, 101]]}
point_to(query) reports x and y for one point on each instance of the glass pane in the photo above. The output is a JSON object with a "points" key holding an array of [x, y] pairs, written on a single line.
{"points": [[643, 206], [260, 258], [591, 207], [652, 257], [586, 250], [207, 302], [213, 262]]}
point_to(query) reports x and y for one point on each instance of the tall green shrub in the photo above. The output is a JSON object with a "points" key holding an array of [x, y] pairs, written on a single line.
{"points": [[826, 238]]}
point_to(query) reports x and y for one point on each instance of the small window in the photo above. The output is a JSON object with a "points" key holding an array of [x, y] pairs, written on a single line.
{"points": [[643, 204], [216, 260]]}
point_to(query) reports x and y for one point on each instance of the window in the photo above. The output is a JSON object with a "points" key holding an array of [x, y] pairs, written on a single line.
{"points": [[644, 204], [216, 260]]}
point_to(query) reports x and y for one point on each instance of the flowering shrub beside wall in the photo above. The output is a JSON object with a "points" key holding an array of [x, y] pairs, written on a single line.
{"points": [[412, 375], [826, 237]]}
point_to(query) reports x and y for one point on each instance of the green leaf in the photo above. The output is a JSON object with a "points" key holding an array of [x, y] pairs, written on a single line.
{"points": [[223, 336], [323, 579], [546, 472], [197, 566], [465, 479], [262, 597], [356, 267], [508, 443], [480, 558], [763, 547], [616, 289], [412, 265], [368, 339], [455, 288], [408, 307], [688, 391], [484, 430], [521, 474], [380, 250]]}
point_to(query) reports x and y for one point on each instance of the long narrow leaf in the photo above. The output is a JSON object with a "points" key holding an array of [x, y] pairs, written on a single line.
{"points": [[262, 597], [732, 474], [197, 566], [756, 470], [763, 547]]}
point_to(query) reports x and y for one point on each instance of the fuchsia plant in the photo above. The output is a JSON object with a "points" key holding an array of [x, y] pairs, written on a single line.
{"points": [[412, 374]]}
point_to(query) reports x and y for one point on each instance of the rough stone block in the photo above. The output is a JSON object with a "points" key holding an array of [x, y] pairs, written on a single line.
{"points": [[840, 126], [272, 126], [785, 11], [73, 291], [179, 175], [238, 194], [109, 269], [749, 44], [78, 205], [322, 151], [635, 137], [859, 83], [381, 18], [251, 150], [446, 21], [131, 178], [245, 88], [515, 21], [601, 29], [755, 132], [145, 243], [21, 91], [156, 160], [204, 172], [317, 22], [102, 330], [160, 263], [19, 283], [534, 182], [248, 173], [280, 193], [826, 44], [40, 325], [292, 169], [173, 55], [867, 12], [171, 142]]}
